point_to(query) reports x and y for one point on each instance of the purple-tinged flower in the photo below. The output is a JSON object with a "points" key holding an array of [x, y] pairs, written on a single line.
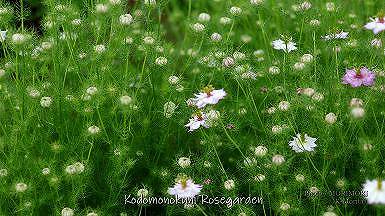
{"points": [[359, 77]]}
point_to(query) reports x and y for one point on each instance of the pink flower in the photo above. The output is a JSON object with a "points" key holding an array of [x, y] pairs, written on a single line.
{"points": [[360, 77]]}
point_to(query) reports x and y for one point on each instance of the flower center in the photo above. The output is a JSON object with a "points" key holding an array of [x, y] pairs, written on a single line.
{"points": [[302, 140], [358, 73], [183, 182], [199, 116], [379, 184], [208, 89]]}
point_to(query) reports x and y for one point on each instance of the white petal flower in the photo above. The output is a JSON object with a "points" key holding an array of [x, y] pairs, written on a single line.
{"points": [[185, 188], [375, 191], [209, 96], [285, 46], [340, 35], [377, 25], [301, 143], [197, 121]]}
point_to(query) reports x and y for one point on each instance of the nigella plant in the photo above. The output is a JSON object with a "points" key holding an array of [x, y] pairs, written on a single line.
{"points": [[155, 107]]}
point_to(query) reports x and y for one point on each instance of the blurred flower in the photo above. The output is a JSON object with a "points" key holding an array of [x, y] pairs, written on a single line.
{"points": [[375, 191], [46, 101], [377, 24], [341, 35], [169, 109]]}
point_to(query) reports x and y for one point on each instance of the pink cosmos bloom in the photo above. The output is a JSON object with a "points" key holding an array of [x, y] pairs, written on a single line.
{"points": [[360, 77]]}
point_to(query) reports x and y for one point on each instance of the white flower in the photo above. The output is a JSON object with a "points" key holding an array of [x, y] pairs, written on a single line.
{"points": [[376, 43], [229, 184], [299, 66], [375, 191], [76, 22], [126, 19], [300, 178], [278, 159], [101, 8], [314, 22], [67, 212], [93, 129], [307, 58], [173, 80], [3, 172], [198, 27], [204, 17], [331, 118], [225, 20], [284, 105], [92, 214], [75, 168], [357, 112], [209, 96], [169, 109], [148, 40], [125, 100], [184, 162], [3, 35], [197, 121], [21, 187], [18, 38], [330, 6], [212, 117], [216, 37], [46, 101], [185, 188], [228, 62], [259, 177], [274, 70], [356, 102], [285, 46], [100, 48], [301, 143], [341, 35], [256, 2], [377, 25], [161, 61], [92, 90], [46, 171], [284, 206], [235, 10], [260, 151]]}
